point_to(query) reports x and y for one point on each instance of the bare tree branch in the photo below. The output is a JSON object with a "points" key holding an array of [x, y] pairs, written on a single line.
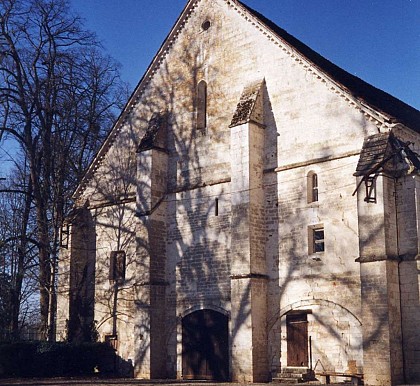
{"points": [[57, 101]]}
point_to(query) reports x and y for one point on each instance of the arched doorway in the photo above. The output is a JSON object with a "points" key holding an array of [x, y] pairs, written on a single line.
{"points": [[205, 348]]}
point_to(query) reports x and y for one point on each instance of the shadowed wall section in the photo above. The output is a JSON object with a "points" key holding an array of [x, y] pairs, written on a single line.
{"points": [[82, 277]]}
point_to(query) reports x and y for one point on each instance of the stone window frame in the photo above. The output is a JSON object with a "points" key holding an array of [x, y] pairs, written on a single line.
{"points": [[316, 240], [201, 105], [312, 187]]}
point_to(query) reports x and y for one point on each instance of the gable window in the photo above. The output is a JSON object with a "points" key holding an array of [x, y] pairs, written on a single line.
{"points": [[117, 267], [316, 239], [201, 105], [312, 185], [206, 25]]}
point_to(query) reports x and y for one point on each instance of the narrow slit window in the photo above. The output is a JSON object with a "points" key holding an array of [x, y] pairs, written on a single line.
{"points": [[202, 105], [216, 207], [312, 187]]}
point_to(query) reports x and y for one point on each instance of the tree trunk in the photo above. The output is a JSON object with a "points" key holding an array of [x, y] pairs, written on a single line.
{"points": [[22, 248]]}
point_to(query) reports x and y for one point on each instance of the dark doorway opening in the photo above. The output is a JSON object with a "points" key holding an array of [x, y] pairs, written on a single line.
{"points": [[205, 348], [297, 340]]}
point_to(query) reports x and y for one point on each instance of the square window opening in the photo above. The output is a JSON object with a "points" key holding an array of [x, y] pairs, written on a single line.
{"points": [[316, 240]]}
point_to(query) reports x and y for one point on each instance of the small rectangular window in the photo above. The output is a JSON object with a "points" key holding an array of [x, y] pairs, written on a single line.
{"points": [[117, 267], [316, 239], [319, 245]]}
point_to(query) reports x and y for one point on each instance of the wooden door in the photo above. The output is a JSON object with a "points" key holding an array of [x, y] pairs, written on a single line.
{"points": [[205, 350], [297, 340]]}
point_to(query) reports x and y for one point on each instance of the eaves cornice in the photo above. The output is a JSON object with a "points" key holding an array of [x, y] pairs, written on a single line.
{"points": [[382, 120]]}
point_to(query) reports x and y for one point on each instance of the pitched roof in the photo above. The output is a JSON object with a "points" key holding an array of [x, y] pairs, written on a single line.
{"points": [[383, 152], [390, 106], [395, 110], [377, 150], [151, 138], [245, 108]]}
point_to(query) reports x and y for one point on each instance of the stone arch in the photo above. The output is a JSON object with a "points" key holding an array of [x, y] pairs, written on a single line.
{"points": [[203, 307], [310, 302], [332, 332], [173, 328]]}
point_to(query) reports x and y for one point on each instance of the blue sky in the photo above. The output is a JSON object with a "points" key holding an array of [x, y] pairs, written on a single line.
{"points": [[376, 40]]}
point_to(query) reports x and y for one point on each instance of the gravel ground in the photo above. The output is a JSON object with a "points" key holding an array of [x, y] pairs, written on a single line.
{"points": [[114, 382], [118, 382]]}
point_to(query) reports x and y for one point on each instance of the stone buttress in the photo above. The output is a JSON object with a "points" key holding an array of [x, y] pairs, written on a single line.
{"points": [[248, 267]]}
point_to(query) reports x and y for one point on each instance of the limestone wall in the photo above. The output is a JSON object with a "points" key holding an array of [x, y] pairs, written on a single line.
{"points": [[218, 211], [116, 231], [327, 284]]}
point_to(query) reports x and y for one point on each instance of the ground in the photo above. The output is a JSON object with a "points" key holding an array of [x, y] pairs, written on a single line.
{"points": [[104, 382], [114, 381]]}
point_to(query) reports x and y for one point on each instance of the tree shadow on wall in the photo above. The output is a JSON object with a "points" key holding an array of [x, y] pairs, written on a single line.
{"points": [[145, 304], [171, 215]]}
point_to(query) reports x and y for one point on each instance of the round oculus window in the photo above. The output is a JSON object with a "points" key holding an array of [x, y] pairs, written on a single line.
{"points": [[206, 25]]}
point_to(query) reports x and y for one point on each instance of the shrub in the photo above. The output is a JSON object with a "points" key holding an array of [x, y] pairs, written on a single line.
{"points": [[45, 359]]}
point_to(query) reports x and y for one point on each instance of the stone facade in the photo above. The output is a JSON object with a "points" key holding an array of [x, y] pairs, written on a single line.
{"points": [[242, 237]]}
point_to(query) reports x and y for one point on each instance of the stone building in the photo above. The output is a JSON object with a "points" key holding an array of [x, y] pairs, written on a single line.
{"points": [[254, 209]]}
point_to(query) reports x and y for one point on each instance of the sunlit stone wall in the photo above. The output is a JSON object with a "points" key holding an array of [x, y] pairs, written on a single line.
{"points": [[219, 217]]}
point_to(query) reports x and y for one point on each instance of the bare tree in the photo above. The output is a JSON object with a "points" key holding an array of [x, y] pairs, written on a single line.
{"points": [[58, 94], [17, 250]]}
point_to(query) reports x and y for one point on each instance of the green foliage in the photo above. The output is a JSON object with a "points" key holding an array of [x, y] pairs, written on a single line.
{"points": [[45, 359]]}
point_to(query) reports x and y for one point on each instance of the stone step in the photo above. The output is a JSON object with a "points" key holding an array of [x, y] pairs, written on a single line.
{"points": [[287, 374], [286, 380], [296, 370], [301, 374]]}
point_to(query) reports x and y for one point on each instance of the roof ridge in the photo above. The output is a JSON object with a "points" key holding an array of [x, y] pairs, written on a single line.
{"points": [[363, 91], [366, 95]]}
